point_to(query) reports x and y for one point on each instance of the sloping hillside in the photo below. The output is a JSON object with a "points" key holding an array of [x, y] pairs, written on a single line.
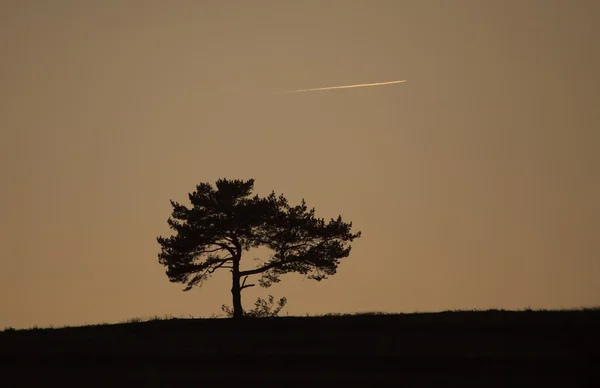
{"points": [[489, 348]]}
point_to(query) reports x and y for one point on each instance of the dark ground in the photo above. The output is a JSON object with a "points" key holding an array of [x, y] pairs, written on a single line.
{"points": [[449, 349]]}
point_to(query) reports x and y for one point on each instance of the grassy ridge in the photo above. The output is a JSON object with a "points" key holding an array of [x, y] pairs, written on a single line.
{"points": [[492, 316], [464, 346]]}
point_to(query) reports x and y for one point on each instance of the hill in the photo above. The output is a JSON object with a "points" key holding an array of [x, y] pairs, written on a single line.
{"points": [[478, 348]]}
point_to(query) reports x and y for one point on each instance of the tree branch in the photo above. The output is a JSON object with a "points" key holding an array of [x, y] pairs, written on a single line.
{"points": [[278, 263], [221, 264], [260, 269], [244, 285], [228, 248], [203, 251]]}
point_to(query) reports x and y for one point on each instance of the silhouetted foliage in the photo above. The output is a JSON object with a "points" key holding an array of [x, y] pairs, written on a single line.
{"points": [[225, 221], [262, 308]]}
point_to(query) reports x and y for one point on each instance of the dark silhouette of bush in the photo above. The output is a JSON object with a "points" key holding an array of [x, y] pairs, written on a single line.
{"points": [[262, 308]]}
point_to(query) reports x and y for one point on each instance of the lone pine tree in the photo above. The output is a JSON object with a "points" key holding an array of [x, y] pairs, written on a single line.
{"points": [[224, 222]]}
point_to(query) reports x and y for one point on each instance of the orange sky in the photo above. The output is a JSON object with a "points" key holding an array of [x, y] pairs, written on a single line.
{"points": [[475, 183]]}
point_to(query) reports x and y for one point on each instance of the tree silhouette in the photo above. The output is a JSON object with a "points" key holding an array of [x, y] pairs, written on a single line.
{"points": [[223, 223]]}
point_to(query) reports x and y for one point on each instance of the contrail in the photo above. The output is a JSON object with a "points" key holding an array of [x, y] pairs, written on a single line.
{"points": [[341, 87]]}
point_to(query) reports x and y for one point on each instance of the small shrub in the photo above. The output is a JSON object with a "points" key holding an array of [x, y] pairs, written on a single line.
{"points": [[262, 308]]}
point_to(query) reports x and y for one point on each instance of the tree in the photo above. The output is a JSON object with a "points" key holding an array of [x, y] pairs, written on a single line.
{"points": [[224, 222]]}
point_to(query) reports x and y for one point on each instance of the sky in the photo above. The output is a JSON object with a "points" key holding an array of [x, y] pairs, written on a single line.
{"points": [[474, 183]]}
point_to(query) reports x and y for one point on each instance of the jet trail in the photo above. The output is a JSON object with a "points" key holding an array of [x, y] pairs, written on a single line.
{"points": [[341, 87]]}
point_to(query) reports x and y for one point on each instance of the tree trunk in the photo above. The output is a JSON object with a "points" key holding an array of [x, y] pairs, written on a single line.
{"points": [[236, 291]]}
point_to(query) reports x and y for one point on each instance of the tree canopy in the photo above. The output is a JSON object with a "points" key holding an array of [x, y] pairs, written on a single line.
{"points": [[225, 221]]}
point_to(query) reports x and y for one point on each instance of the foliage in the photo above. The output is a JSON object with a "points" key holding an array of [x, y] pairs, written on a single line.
{"points": [[262, 308], [224, 222]]}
